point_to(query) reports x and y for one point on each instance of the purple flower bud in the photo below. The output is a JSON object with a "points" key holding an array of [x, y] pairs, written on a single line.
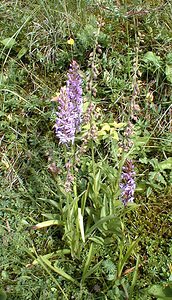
{"points": [[70, 107], [127, 184]]}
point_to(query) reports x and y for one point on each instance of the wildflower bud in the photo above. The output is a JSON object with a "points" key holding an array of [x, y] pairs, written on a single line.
{"points": [[89, 86], [93, 132], [99, 49], [69, 181], [94, 92], [88, 113], [88, 78], [68, 165], [95, 72], [129, 130], [91, 57], [136, 107], [69, 177], [94, 76], [53, 169]]}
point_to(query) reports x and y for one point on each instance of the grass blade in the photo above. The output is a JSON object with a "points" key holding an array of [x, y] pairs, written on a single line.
{"points": [[56, 269]]}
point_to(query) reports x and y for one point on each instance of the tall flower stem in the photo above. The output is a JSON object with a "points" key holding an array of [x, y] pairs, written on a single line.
{"points": [[121, 163], [94, 174], [68, 122], [73, 172]]}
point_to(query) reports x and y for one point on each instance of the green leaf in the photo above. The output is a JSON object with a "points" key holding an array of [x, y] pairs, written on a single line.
{"points": [[134, 278], [114, 134], [141, 140], [84, 199], [110, 269], [151, 57], [97, 239], [105, 127], [8, 42], [3, 78], [45, 267], [47, 256], [160, 178], [164, 293], [125, 258], [47, 224], [3, 295], [22, 52], [113, 224], [61, 252], [166, 164], [86, 272], [85, 106], [144, 160], [87, 263], [81, 224], [149, 191], [169, 58], [168, 72], [102, 133], [56, 269], [118, 125], [100, 222], [93, 269], [97, 181]]}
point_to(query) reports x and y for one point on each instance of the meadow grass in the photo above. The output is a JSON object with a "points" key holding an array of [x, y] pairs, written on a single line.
{"points": [[85, 244]]}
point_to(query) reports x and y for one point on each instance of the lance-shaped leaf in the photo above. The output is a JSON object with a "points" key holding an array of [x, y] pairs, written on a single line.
{"points": [[47, 224]]}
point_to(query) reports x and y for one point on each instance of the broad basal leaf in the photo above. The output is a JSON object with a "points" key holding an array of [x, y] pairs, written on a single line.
{"points": [[8, 42], [151, 57]]}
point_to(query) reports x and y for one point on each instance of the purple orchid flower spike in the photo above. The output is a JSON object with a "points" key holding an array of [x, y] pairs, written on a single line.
{"points": [[69, 115], [127, 184]]}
